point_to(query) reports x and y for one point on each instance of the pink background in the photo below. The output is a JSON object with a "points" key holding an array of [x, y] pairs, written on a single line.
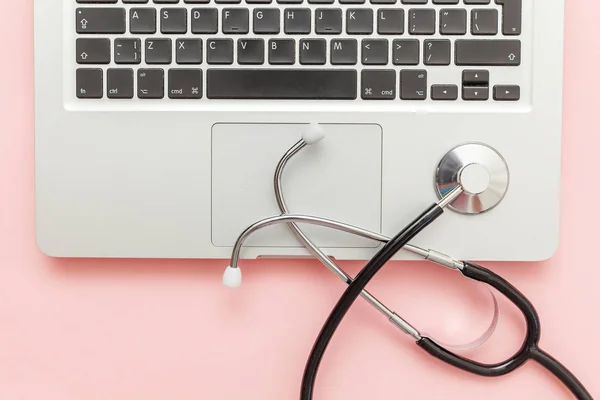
{"points": [[152, 329]]}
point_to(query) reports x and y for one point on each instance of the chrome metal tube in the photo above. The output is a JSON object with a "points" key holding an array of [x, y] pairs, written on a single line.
{"points": [[316, 252]]}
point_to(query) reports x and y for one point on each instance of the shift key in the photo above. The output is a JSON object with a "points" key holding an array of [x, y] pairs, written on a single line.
{"points": [[488, 52], [100, 20]]}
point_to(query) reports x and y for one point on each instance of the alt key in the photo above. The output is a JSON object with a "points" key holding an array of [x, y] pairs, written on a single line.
{"points": [[378, 84]]}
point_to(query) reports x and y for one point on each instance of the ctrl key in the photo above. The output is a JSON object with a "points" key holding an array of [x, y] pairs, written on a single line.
{"points": [[89, 82], [378, 84]]}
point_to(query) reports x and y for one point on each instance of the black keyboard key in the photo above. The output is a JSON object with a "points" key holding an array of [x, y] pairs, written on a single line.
{"points": [[477, 93], [477, 1], [445, 1], [185, 84], [296, 20], [205, 20], [343, 51], [98, 1], [150, 83], [313, 51], [507, 92], [282, 51], [444, 92], [413, 84], [488, 52], [390, 21], [173, 20], [414, 1], [119, 83], [188, 51], [421, 21], [219, 51], [511, 16], [359, 21], [436, 52], [476, 77], [281, 84], [158, 51], [374, 52], [378, 84], [100, 20], [250, 51], [453, 21], [266, 20], [236, 21], [128, 51], [93, 51], [89, 83], [405, 51], [328, 21], [142, 20], [484, 21]]}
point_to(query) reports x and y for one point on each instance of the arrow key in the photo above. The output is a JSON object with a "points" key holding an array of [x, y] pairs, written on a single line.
{"points": [[444, 92], [476, 77], [507, 92], [93, 51], [475, 93]]}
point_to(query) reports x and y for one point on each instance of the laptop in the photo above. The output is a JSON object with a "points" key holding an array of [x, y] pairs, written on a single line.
{"points": [[159, 123]]}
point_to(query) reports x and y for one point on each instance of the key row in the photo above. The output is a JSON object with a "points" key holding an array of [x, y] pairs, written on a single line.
{"points": [[513, 3], [305, 51], [326, 21], [277, 84]]}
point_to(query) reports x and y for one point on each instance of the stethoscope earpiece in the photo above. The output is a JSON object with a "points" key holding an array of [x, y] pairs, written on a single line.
{"points": [[232, 277]]}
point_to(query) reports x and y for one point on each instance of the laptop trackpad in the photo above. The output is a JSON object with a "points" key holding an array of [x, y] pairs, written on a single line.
{"points": [[337, 178]]}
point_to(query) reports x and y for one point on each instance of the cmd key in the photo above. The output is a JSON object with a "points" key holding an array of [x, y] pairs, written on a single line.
{"points": [[92, 20]]}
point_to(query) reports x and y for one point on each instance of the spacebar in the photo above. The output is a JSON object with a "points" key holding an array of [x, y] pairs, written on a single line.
{"points": [[281, 84]]}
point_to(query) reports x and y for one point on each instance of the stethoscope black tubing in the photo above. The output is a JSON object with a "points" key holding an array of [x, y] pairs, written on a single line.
{"points": [[529, 349], [353, 291]]}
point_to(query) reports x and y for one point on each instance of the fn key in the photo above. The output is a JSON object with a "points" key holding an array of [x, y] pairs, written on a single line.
{"points": [[90, 83]]}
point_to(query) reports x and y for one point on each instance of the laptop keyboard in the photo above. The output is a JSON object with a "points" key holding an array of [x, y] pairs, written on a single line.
{"points": [[296, 49]]}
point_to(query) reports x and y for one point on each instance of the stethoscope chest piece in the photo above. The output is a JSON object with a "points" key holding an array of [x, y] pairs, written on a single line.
{"points": [[480, 170]]}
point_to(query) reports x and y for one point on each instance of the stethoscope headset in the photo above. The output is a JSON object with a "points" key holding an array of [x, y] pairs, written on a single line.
{"points": [[456, 188]]}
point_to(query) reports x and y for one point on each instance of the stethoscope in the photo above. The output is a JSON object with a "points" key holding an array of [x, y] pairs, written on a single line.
{"points": [[451, 186]]}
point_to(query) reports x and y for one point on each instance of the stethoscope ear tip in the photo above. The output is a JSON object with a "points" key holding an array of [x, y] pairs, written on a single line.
{"points": [[313, 133], [232, 277]]}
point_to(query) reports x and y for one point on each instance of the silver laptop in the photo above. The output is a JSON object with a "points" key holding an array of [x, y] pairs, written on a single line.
{"points": [[159, 122]]}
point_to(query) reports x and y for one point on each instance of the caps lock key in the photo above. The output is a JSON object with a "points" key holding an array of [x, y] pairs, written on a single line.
{"points": [[92, 20]]}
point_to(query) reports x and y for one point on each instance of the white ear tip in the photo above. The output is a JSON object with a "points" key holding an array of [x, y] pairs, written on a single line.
{"points": [[232, 277], [313, 134]]}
